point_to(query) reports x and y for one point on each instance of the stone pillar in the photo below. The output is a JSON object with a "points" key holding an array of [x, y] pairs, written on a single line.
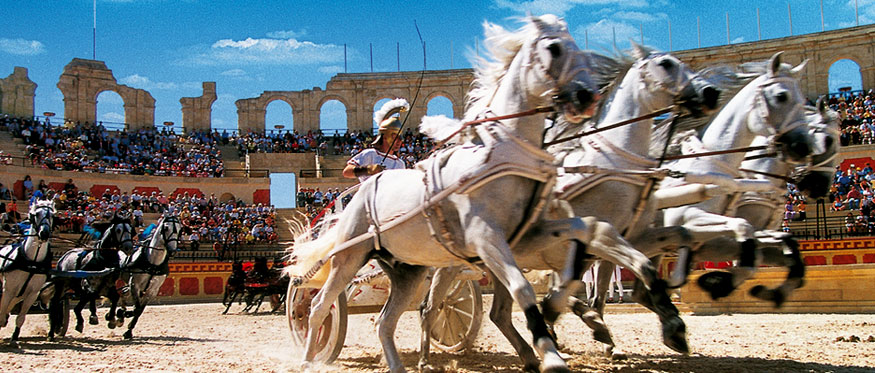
{"points": [[16, 93], [868, 76], [197, 111]]}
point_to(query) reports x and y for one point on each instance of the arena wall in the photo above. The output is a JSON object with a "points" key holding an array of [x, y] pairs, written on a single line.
{"points": [[240, 187], [839, 278]]}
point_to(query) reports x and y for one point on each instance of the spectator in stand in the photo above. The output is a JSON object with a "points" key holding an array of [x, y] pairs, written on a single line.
{"points": [[28, 186], [5, 194]]}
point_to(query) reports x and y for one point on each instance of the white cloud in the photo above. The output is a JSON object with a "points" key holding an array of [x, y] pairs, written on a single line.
{"points": [[737, 40], [142, 82], [21, 47], [331, 70], [560, 7], [113, 117], [266, 51], [286, 34], [641, 17], [601, 34], [234, 73]]}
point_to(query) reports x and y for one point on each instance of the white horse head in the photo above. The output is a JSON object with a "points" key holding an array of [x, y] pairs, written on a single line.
{"points": [[165, 238], [667, 80], [778, 109], [540, 60], [41, 217], [816, 177]]}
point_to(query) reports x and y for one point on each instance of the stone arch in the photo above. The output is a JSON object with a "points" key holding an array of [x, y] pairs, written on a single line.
{"points": [[350, 112], [97, 102], [81, 82], [225, 197], [833, 63], [288, 101], [458, 105]]}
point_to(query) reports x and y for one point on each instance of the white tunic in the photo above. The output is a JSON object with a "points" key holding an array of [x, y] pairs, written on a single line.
{"points": [[373, 156]]}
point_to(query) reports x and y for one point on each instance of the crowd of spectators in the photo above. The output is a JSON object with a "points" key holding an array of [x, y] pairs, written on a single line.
{"points": [[857, 113], [852, 191], [91, 147], [205, 219]]}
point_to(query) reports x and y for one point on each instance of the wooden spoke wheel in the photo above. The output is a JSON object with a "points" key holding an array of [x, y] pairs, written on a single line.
{"points": [[459, 317], [331, 334]]}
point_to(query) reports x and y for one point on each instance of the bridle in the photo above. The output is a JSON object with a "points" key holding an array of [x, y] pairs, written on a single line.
{"points": [[167, 237], [673, 87], [48, 219], [792, 120]]}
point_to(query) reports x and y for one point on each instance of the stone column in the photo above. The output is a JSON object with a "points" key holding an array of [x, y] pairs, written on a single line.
{"points": [[197, 111]]}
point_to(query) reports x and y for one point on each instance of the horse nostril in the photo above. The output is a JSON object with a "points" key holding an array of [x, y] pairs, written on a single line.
{"points": [[710, 94], [800, 149]]}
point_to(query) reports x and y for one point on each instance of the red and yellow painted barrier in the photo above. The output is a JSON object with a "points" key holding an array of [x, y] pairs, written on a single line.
{"points": [[839, 278], [196, 280]]}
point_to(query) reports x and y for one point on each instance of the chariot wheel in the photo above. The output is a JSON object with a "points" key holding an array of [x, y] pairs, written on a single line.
{"points": [[459, 317], [333, 331]]}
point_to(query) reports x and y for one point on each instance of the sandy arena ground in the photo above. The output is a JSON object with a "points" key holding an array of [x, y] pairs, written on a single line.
{"points": [[197, 338]]}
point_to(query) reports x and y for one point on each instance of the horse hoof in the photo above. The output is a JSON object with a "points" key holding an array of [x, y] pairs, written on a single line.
{"points": [[717, 284], [128, 335], [14, 344], [111, 324], [775, 296], [93, 320], [79, 327], [556, 369], [674, 335], [428, 368], [531, 368], [129, 313]]}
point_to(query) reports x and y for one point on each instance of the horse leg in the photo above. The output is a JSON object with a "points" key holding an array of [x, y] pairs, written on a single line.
{"points": [[8, 294], [440, 284], [113, 296], [405, 279], [493, 249], [80, 321], [56, 307], [344, 266], [500, 314], [30, 296], [786, 256], [92, 307], [592, 315], [139, 306]]}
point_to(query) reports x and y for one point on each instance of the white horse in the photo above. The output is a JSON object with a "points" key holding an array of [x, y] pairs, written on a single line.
{"points": [[761, 209], [770, 105], [25, 266], [632, 88], [146, 268], [476, 194]]}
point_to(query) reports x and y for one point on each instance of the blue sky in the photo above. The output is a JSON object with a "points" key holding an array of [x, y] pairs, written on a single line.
{"points": [[169, 47]]}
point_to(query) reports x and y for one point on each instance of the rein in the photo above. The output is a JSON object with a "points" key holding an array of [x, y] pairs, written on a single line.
{"points": [[718, 152], [612, 126], [769, 174], [537, 110]]}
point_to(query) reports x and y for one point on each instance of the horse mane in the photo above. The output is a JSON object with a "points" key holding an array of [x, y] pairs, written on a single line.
{"points": [[502, 46], [729, 81], [42, 203]]}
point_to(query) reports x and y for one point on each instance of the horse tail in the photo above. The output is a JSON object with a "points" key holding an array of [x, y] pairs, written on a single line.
{"points": [[308, 256]]}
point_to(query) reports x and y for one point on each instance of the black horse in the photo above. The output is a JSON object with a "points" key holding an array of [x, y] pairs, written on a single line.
{"points": [[90, 273]]}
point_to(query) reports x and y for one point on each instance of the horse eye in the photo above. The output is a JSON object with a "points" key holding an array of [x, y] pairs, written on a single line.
{"points": [[555, 50], [666, 64], [781, 97]]}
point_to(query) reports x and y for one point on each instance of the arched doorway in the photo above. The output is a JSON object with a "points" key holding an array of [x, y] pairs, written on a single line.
{"points": [[110, 109], [332, 117], [440, 105], [225, 197], [278, 117], [844, 75]]}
